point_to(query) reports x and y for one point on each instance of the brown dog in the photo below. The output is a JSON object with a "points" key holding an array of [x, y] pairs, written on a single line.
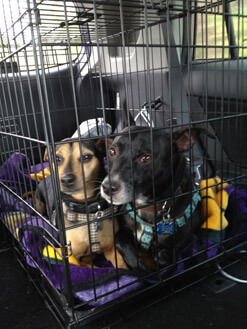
{"points": [[79, 167]]}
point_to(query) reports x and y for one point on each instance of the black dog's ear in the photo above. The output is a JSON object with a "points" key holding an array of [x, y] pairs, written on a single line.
{"points": [[185, 138], [101, 145], [126, 117]]}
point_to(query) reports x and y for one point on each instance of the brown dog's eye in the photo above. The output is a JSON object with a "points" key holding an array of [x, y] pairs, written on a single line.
{"points": [[146, 158], [112, 152], [87, 157], [59, 159]]}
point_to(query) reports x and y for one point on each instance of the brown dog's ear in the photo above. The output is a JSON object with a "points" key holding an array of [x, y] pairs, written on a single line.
{"points": [[185, 138], [46, 158], [101, 144], [46, 155]]}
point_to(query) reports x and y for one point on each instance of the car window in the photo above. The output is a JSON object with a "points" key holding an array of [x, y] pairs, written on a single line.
{"points": [[211, 33], [239, 18]]}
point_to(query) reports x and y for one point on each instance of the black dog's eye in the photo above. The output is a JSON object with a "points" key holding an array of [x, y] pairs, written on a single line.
{"points": [[112, 152], [146, 158], [87, 157]]}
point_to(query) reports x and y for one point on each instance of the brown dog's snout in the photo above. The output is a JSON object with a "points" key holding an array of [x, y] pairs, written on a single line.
{"points": [[68, 180], [110, 189]]}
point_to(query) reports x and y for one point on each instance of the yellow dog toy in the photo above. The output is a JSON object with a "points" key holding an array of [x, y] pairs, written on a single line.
{"points": [[214, 204]]}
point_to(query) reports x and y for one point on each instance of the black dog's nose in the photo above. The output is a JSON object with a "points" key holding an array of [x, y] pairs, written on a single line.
{"points": [[68, 180], [112, 188]]}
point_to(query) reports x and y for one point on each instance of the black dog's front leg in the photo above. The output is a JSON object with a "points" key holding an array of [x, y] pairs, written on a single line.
{"points": [[170, 246], [164, 252], [125, 244]]}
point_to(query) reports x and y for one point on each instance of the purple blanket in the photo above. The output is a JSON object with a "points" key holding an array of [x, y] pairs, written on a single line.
{"points": [[15, 173], [108, 283]]}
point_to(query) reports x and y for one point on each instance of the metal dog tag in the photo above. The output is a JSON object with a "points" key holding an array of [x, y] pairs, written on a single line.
{"points": [[166, 213], [166, 218], [99, 213]]}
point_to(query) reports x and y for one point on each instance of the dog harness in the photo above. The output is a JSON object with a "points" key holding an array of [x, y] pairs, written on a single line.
{"points": [[167, 225], [91, 219]]}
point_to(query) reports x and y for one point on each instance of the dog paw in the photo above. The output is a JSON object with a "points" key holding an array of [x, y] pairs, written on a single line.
{"points": [[163, 258]]}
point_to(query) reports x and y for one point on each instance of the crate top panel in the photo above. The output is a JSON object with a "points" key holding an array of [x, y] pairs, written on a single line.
{"points": [[51, 29]]}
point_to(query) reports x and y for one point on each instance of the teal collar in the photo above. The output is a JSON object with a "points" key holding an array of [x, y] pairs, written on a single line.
{"points": [[167, 225]]}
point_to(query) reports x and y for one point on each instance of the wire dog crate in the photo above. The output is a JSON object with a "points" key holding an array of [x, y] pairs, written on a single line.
{"points": [[170, 65]]}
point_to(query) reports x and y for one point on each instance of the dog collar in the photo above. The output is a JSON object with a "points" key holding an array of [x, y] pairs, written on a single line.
{"points": [[98, 213], [167, 225], [93, 220], [161, 207], [147, 229], [93, 204]]}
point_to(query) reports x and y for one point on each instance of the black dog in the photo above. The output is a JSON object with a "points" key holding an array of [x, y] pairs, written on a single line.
{"points": [[139, 175]]}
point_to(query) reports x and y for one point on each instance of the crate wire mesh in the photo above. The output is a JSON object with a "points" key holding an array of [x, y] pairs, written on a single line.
{"points": [[172, 63]]}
